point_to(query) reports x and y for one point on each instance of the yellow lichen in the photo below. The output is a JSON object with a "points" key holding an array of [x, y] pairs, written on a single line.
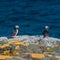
{"points": [[17, 47], [4, 56], [57, 56], [15, 53], [35, 55], [38, 56], [7, 52], [48, 48]]}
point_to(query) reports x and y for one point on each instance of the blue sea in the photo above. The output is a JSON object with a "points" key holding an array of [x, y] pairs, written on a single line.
{"points": [[31, 16]]}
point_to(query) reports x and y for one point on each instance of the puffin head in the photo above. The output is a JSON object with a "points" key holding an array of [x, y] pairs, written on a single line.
{"points": [[46, 27], [16, 27]]}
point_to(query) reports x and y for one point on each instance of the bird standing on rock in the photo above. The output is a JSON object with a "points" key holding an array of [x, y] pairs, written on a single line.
{"points": [[15, 31], [45, 32]]}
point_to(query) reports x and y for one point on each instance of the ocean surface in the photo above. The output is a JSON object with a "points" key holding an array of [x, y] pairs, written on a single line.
{"points": [[31, 16]]}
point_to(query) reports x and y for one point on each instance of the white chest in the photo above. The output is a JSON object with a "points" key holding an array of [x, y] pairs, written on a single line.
{"points": [[16, 32]]}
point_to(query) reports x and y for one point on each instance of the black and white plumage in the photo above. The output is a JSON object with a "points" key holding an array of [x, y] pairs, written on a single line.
{"points": [[15, 31], [45, 32]]}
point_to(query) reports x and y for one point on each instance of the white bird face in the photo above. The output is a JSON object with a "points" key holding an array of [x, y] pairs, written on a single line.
{"points": [[16, 26]]}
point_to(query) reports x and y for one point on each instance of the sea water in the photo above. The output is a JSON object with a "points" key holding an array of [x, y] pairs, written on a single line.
{"points": [[31, 16]]}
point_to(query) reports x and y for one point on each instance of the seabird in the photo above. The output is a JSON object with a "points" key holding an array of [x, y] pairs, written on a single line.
{"points": [[15, 30], [45, 32]]}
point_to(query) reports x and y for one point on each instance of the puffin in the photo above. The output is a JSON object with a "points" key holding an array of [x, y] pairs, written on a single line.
{"points": [[15, 30], [45, 32]]}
